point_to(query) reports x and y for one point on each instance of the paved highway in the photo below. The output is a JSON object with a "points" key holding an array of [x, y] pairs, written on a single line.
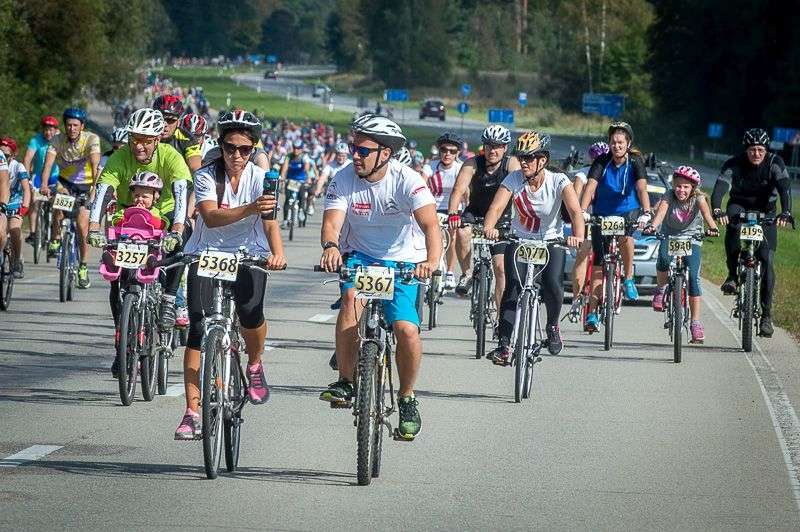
{"points": [[610, 440]]}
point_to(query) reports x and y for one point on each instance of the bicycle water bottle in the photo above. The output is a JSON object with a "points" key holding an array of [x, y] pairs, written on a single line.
{"points": [[271, 189]]}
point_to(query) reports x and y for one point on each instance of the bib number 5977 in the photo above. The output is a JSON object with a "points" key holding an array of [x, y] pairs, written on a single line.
{"points": [[218, 265]]}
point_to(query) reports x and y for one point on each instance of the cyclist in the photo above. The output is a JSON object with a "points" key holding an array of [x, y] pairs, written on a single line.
{"points": [[144, 152], [171, 109], [119, 137], [296, 167], [380, 211], [77, 153], [755, 180], [19, 201], [230, 201], [537, 194], [33, 161], [5, 197], [682, 212], [441, 175], [476, 184], [582, 257], [617, 186]]}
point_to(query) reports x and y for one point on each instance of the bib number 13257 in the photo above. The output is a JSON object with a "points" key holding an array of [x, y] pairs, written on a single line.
{"points": [[218, 265]]}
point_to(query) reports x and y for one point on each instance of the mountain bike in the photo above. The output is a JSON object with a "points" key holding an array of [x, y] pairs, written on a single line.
{"points": [[579, 309], [68, 253], [373, 375], [483, 311], [296, 192], [223, 382], [44, 228], [6, 275], [435, 291], [612, 229]]}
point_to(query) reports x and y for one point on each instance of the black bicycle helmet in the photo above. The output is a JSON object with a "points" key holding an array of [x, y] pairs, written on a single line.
{"points": [[755, 137], [450, 138]]}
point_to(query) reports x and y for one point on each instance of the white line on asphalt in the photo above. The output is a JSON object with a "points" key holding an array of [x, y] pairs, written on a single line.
{"points": [[784, 418], [176, 390], [34, 452], [320, 318]]}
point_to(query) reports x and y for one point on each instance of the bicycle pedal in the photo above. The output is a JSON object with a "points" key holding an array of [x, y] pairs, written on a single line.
{"points": [[338, 405], [402, 437]]}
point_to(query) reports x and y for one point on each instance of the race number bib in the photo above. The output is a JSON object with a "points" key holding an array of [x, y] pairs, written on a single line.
{"points": [[375, 282], [612, 226], [533, 253], [218, 265], [130, 256], [64, 202], [292, 185], [751, 232], [679, 247]]}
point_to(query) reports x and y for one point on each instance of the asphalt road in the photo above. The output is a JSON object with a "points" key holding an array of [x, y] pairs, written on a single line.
{"points": [[610, 440]]}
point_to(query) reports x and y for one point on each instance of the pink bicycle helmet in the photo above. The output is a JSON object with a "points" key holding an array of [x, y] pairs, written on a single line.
{"points": [[688, 173], [146, 179]]}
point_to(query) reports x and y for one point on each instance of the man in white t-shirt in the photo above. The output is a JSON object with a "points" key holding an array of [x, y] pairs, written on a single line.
{"points": [[378, 210], [441, 176], [340, 160]]}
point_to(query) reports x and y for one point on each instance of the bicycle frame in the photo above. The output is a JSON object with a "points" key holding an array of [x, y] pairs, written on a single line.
{"points": [[532, 287], [613, 257]]}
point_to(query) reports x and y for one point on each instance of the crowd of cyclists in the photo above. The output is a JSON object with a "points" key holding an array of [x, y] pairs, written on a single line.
{"points": [[384, 202]]}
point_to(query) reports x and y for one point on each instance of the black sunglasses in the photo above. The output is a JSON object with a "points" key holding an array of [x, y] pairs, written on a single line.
{"points": [[363, 151], [244, 150], [530, 157]]}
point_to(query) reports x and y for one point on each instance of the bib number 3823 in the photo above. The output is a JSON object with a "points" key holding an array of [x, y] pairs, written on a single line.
{"points": [[374, 283], [612, 226], [751, 232], [64, 202], [218, 265]]}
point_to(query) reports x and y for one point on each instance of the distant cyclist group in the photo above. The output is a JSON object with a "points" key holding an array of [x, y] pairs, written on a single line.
{"points": [[199, 212]]}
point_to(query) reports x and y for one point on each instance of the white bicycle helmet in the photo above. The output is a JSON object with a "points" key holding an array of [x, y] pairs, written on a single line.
{"points": [[143, 178], [239, 119], [496, 134], [342, 147], [404, 156], [380, 129], [119, 135], [146, 121]]}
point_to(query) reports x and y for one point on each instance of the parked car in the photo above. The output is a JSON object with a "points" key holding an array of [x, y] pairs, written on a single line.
{"points": [[270, 74], [432, 108], [645, 251], [320, 90]]}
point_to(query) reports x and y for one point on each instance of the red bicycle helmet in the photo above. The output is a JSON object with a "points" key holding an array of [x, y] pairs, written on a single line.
{"points": [[169, 105], [49, 120], [9, 143]]}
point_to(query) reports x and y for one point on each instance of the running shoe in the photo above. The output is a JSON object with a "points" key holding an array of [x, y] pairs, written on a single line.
{"points": [[592, 322], [464, 283], [410, 422], [500, 355], [765, 328], [697, 331], [83, 277], [729, 287], [658, 300], [629, 289], [338, 392], [182, 317], [190, 427], [258, 390], [53, 247], [449, 281], [554, 342], [18, 270], [30, 239]]}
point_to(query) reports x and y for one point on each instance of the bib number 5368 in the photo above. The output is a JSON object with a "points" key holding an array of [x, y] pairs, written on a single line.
{"points": [[218, 265]]}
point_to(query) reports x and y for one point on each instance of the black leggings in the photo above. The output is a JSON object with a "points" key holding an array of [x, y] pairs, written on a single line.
{"points": [[248, 293], [170, 280], [765, 254], [552, 290]]}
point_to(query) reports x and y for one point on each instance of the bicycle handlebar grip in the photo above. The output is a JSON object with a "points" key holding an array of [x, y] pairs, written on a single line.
{"points": [[318, 268]]}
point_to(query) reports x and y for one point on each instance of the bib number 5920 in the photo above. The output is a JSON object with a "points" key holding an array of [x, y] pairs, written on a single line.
{"points": [[218, 265]]}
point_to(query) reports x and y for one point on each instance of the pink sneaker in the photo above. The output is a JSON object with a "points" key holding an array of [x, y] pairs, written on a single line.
{"points": [[698, 333], [190, 427], [658, 300], [257, 391], [182, 319]]}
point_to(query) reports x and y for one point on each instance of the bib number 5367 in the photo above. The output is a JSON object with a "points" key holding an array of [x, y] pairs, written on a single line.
{"points": [[374, 283]]}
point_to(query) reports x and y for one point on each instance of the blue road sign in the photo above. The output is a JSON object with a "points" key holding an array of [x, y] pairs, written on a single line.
{"points": [[611, 105], [783, 134], [466, 88], [501, 116], [523, 99], [395, 95], [463, 108], [715, 130]]}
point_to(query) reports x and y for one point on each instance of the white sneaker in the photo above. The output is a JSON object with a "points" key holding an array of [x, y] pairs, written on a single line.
{"points": [[449, 281], [311, 210]]}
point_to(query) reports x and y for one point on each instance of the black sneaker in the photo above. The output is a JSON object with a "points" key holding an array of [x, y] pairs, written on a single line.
{"points": [[30, 239], [18, 270], [115, 367], [168, 313], [554, 342], [340, 391], [500, 355], [410, 422], [332, 362], [729, 287], [765, 328], [464, 284]]}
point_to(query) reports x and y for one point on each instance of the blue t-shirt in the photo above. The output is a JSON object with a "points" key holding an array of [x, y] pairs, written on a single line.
{"points": [[616, 185], [297, 168], [39, 145]]}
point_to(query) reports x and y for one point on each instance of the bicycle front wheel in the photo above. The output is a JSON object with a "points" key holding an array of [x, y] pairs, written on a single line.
{"points": [[232, 426], [521, 347], [608, 306], [63, 268], [381, 378], [213, 402], [533, 330], [431, 299], [748, 306], [6, 282], [677, 317], [149, 357], [37, 235], [292, 221], [128, 349], [480, 312], [366, 412]]}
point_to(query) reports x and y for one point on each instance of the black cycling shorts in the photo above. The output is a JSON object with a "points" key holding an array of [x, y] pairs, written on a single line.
{"points": [[469, 217], [600, 244]]}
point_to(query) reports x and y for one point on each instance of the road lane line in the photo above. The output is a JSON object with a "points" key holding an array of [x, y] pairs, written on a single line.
{"points": [[34, 452], [783, 415], [320, 318], [176, 390]]}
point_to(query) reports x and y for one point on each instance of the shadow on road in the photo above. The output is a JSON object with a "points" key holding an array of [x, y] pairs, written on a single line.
{"points": [[62, 397], [193, 472]]}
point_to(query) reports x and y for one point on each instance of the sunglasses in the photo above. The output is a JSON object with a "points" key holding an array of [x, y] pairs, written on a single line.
{"points": [[363, 151], [143, 141], [488, 146], [244, 150], [451, 151], [529, 158], [169, 119]]}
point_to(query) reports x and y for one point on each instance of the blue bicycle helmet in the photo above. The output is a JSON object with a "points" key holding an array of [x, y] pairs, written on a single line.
{"points": [[75, 112]]}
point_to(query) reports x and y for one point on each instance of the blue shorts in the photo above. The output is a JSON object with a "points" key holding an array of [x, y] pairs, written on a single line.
{"points": [[37, 179], [404, 305], [14, 204]]}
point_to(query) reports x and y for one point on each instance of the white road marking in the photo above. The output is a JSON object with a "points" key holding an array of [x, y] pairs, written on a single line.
{"points": [[784, 417], [34, 452], [176, 390], [320, 318]]}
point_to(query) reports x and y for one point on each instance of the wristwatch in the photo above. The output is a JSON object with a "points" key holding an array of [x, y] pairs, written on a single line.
{"points": [[330, 244]]}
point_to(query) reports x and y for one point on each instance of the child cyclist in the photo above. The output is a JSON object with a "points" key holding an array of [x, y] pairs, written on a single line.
{"points": [[145, 190], [681, 213]]}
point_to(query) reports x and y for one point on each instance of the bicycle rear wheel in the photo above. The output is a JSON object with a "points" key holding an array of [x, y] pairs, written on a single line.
{"points": [[432, 297], [746, 311], [608, 306], [232, 426], [6, 281], [521, 347], [148, 356], [480, 312], [292, 221], [366, 411], [128, 349], [37, 235], [212, 403], [63, 267], [381, 378], [677, 317], [533, 329]]}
